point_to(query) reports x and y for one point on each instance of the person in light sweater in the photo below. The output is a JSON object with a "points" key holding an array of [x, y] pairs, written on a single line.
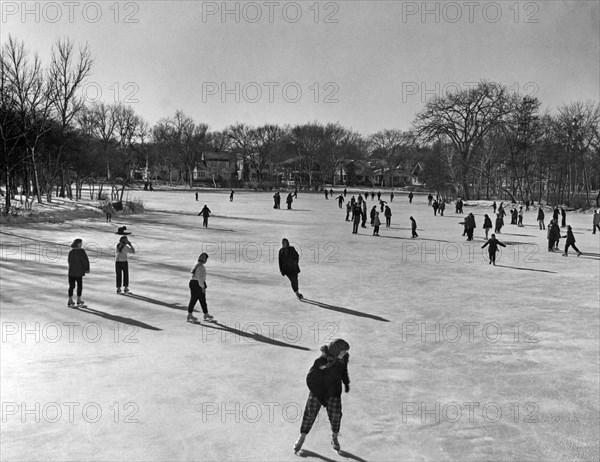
{"points": [[198, 289]]}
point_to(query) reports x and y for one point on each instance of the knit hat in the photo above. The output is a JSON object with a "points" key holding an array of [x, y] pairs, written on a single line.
{"points": [[335, 347]]}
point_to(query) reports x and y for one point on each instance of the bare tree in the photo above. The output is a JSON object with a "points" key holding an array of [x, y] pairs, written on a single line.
{"points": [[394, 147], [464, 118]]}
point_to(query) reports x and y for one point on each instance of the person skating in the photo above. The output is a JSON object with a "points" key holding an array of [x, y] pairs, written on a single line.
{"points": [[520, 218], [379, 196], [196, 194], [540, 218], [326, 195], [373, 212], [494, 207], [79, 266], [410, 197], [391, 197], [382, 205], [352, 201], [372, 195], [388, 216], [198, 288], [429, 200], [296, 193], [205, 212], [108, 210], [553, 235], [324, 381], [348, 210], [442, 207], [376, 224], [231, 196], [289, 201], [340, 200], [356, 215], [596, 222], [276, 200], [563, 214], [435, 206], [493, 244], [331, 192], [487, 224], [345, 192], [413, 227], [570, 242], [288, 265], [555, 213], [363, 215], [124, 248]]}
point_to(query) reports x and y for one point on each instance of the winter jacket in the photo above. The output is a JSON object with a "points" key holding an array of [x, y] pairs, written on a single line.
{"points": [[540, 215], [570, 237], [325, 377], [493, 243], [288, 261], [487, 223], [78, 263]]}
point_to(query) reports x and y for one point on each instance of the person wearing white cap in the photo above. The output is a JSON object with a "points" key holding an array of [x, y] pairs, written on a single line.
{"points": [[198, 289]]}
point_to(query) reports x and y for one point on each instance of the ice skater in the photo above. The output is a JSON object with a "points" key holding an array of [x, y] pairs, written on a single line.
{"points": [[435, 206], [340, 200], [356, 215], [79, 266], [442, 207], [231, 196], [388, 216], [376, 224], [288, 265], [108, 210], [563, 214], [205, 212], [124, 248], [487, 224], [540, 218], [413, 227], [198, 287], [520, 218], [570, 242], [596, 222], [410, 197], [196, 193], [122, 230], [289, 200], [324, 382], [372, 214], [493, 244]]}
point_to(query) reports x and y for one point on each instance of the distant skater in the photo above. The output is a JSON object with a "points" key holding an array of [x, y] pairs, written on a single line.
{"points": [[363, 215], [198, 288], [563, 214], [570, 242], [413, 227], [388, 216], [493, 244], [499, 223], [596, 222], [494, 207], [540, 218], [289, 201], [410, 197], [520, 217], [326, 194], [356, 215], [122, 230], [376, 224], [348, 210], [79, 266], [487, 224], [435, 206], [288, 265], [108, 210], [231, 196], [340, 200], [205, 212], [442, 207], [296, 193], [324, 380], [391, 197], [372, 213], [196, 194]]}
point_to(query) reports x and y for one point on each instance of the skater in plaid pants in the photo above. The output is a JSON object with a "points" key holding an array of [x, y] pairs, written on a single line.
{"points": [[324, 381]]}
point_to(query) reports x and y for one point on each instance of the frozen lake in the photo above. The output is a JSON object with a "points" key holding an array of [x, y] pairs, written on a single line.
{"points": [[450, 358]]}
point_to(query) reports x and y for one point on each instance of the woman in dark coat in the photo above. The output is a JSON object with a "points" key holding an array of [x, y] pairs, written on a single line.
{"points": [[499, 223], [288, 265], [553, 235], [324, 380], [493, 244], [487, 224]]}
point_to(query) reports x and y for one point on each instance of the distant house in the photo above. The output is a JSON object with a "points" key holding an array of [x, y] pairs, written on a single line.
{"points": [[212, 165], [403, 175]]}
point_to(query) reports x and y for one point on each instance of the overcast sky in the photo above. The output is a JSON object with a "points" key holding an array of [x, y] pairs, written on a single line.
{"points": [[367, 64]]}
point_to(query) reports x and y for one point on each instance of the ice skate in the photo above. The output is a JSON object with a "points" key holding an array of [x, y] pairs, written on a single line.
{"points": [[126, 290], [334, 442], [71, 303], [299, 442], [299, 295], [81, 304], [191, 318], [579, 254], [118, 290], [209, 318]]}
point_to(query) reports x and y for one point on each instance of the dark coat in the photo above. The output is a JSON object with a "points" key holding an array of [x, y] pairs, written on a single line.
{"points": [[78, 263], [487, 223], [325, 377], [288, 261], [541, 214], [493, 243], [570, 237], [554, 232]]}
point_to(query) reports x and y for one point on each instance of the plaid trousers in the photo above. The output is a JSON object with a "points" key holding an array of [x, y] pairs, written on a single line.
{"points": [[334, 412]]}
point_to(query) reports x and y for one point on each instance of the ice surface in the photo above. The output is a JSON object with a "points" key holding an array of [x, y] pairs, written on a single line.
{"points": [[441, 341]]}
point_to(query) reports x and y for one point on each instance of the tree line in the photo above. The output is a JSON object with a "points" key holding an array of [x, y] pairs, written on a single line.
{"points": [[474, 143]]}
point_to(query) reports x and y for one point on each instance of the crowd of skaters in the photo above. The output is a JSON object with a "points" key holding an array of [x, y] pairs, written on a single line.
{"points": [[329, 371]]}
